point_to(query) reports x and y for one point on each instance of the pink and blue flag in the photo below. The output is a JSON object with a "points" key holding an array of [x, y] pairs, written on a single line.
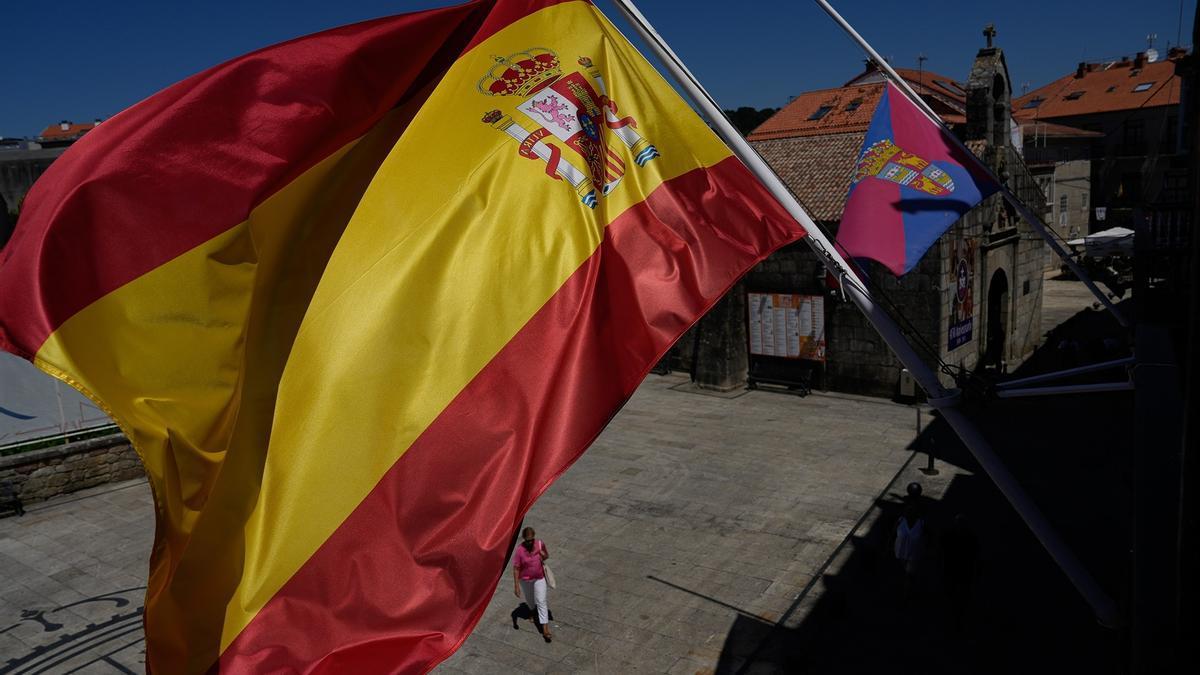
{"points": [[911, 183]]}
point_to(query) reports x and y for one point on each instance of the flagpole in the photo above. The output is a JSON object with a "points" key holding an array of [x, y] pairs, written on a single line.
{"points": [[1026, 213], [939, 397]]}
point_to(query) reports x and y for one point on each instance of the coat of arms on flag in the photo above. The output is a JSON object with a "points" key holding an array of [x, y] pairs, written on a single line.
{"points": [[910, 184], [574, 109], [887, 161]]}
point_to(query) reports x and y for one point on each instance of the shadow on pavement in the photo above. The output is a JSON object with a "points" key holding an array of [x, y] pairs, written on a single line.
{"points": [[1072, 455]]}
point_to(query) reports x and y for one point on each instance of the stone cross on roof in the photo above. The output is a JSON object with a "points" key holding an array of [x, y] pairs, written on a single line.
{"points": [[989, 31]]}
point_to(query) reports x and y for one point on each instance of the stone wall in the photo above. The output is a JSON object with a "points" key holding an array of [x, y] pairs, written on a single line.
{"points": [[6, 224], [1071, 188], [1025, 333], [721, 346], [857, 358], [20, 168], [41, 474], [18, 171]]}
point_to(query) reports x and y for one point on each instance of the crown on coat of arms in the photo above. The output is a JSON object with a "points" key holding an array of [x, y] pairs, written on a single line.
{"points": [[876, 158], [521, 74]]}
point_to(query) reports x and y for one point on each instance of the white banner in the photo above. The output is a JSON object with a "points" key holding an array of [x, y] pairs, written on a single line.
{"points": [[34, 405]]}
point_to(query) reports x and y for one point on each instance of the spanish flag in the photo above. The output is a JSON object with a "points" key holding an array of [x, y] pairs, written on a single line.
{"points": [[359, 298]]}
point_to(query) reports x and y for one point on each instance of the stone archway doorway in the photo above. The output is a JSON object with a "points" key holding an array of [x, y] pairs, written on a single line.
{"points": [[997, 319]]}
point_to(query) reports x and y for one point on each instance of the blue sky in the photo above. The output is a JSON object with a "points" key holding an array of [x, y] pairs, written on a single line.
{"points": [[78, 60]]}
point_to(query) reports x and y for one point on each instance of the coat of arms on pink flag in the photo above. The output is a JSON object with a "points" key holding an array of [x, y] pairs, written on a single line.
{"points": [[910, 185]]}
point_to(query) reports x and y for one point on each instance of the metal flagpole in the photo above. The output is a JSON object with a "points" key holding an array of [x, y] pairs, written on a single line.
{"points": [[1066, 389], [945, 401], [1011, 198], [1058, 375]]}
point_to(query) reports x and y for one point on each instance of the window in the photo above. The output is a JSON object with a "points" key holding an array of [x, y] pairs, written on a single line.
{"points": [[821, 112], [1062, 204], [1168, 133], [1110, 89], [1034, 102], [853, 105], [1143, 86], [950, 86], [1174, 187], [1047, 187], [1134, 137], [1075, 95], [1083, 201]]}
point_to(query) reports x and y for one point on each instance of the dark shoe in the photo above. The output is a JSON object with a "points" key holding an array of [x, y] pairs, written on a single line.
{"points": [[547, 637], [515, 626]]}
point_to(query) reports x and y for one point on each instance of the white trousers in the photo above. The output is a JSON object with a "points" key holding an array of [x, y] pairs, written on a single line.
{"points": [[535, 596]]}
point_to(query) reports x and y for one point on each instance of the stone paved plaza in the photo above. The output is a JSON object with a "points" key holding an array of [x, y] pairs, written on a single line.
{"points": [[690, 510], [74, 579]]}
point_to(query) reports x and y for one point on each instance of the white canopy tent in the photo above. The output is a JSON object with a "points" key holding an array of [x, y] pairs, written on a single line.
{"points": [[1113, 241]]}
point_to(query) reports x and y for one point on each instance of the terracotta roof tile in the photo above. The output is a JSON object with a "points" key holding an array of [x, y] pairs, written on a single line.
{"points": [[925, 82], [1103, 87], [817, 169], [844, 116], [55, 131]]}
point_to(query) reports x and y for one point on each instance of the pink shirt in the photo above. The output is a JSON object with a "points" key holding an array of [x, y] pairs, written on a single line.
{"points": [[528, 563]]}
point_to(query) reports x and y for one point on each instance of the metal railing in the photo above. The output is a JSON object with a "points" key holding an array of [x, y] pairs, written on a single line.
{"points": [[58, 439]]}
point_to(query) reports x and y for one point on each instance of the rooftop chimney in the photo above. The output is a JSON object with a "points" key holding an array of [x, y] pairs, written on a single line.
{"points": [[64, 125], [1139, 60], [1083, 68]]}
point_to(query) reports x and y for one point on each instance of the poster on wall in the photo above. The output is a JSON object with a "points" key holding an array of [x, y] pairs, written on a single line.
{"points": [[962, 309], [787, 326]]}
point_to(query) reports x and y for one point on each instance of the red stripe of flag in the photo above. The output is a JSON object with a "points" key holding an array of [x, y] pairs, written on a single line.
{"points": [[614, 157]]}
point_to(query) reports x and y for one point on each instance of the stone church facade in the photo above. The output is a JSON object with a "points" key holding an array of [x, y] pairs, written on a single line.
{"points": [[974, 300]]}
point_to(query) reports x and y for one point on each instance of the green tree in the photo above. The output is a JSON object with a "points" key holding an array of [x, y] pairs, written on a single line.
{"points": [[747, 119]]}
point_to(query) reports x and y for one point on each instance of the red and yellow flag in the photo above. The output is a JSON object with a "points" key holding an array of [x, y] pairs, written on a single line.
{"points": [[359, 298]]}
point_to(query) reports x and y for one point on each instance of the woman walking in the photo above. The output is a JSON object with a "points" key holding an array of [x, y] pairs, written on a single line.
{"points": [[529, 580]]}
